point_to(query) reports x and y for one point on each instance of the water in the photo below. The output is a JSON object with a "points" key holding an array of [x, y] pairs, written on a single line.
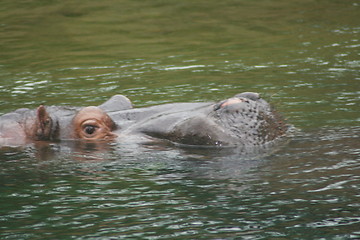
{"points": [[302, 56]]}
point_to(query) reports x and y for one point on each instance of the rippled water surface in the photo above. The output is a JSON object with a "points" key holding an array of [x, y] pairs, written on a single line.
{"points": [[301, 56]]}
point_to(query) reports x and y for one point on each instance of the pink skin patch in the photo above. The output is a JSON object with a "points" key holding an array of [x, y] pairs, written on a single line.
{"points": [[232, 101]]}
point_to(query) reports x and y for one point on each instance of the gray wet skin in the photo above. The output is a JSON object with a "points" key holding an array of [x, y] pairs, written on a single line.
{"points": [[243, 120]]}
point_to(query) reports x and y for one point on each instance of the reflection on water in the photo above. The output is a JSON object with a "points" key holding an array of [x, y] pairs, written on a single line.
{"points": [[302, 56], [306, 190]]}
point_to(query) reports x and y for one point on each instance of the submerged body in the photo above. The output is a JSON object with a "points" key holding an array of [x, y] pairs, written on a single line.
{"points": [[244, 120]]}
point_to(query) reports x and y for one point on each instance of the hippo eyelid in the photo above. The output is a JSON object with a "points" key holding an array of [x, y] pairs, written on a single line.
{"points": [[90, 122], [90, 125]]}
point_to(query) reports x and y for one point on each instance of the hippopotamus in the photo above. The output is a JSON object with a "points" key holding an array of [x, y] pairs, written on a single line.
{"points": [[243, 120]]}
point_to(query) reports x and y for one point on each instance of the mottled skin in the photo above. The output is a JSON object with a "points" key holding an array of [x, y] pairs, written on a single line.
{"points": [[244, 120]]}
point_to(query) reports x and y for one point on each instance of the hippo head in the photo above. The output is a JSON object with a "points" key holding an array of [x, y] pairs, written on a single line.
{"points": [[92, 123]]}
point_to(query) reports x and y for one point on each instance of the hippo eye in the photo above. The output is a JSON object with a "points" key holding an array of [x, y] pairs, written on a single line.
{"points": [[90, 129]]}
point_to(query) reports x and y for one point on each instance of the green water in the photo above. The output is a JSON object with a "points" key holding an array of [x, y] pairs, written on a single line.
{"points": [[303, 56]]}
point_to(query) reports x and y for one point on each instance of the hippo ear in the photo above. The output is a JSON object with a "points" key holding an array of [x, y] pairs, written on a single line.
{"points": [[42, 116], [43, 124], [41, 113]]}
